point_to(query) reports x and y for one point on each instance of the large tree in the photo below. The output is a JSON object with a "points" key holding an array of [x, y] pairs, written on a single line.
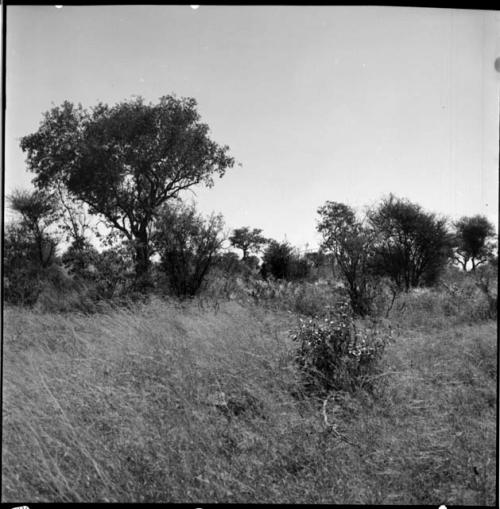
{"points": [[473, 241], [412, 246], [126, 161]]}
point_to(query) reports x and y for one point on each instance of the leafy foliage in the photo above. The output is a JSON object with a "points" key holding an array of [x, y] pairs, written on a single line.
{"points": [[333, 355], [126, 161], [473, 241], [281, 261], [412, 246], [39, 211], [351, 243], [187, 244], [29, 246], [22, 274], [75, 222], [249, 241], [228, 262]]}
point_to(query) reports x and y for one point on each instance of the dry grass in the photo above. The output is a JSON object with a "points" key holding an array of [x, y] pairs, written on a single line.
{"points": [[171, 403]]}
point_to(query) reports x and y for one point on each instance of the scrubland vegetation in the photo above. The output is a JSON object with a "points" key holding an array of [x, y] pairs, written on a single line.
{"points": [[197, 402], [160, 366]]}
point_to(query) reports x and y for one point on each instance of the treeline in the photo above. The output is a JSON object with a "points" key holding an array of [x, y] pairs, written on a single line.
{"points": [[125, 166]]}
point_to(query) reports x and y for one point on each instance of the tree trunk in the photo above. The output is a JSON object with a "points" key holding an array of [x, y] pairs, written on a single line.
{"points": [[142, 262]]}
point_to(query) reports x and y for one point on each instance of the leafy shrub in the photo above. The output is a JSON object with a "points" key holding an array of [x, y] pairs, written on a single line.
{"points": [[104, 275], [24, 272], [112, 276], [281, 261], [80, 259], [351, 243], [187, 244], [300, 268], [228, 263], [412, 246], [334, 355]]}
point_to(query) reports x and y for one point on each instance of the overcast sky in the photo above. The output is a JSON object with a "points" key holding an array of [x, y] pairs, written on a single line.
{"points": [[316, 103]]}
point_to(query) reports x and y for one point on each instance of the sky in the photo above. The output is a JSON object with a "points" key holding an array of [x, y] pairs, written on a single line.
{"points": [[323, 103]]}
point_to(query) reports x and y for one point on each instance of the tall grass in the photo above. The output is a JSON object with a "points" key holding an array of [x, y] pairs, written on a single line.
{"points": [[170, 402]]}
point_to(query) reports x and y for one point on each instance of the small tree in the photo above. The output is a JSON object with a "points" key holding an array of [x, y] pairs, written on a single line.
{"points": [[412, 246], [21, 269], [473, 241], [277, 259], [249, 241], [39, 211], [351, 243], [282, 261], [126, 161], [187, 244]]}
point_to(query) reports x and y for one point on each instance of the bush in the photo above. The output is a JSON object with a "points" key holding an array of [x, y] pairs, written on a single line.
{"points": [[187, 244], [229, 263], [104, 275], [412, 246], [24, 273], [281, 261], [334, 355], [351, 243]]}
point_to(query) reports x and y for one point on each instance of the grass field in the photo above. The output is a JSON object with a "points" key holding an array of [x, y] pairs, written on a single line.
{"points": [[191, 403]]}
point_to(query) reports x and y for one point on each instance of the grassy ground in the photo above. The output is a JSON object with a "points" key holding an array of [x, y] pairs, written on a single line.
{"points": [[173, 403]]}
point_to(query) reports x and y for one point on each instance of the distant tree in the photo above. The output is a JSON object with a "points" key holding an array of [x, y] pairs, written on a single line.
{"points": [[300, 268], [125, 161], [473, 241], [413, 246], [252, 263], [38, 212], [249, 241], [351, 244], [323, 263], [187, 244], [277, 259], [282, 261], [228, 262]]}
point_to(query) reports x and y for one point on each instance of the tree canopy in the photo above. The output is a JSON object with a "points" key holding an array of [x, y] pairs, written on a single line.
{"points": [[126, 161], [38, 211], [249, 241], [473, 236], [351, 243], [412, 246]]}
